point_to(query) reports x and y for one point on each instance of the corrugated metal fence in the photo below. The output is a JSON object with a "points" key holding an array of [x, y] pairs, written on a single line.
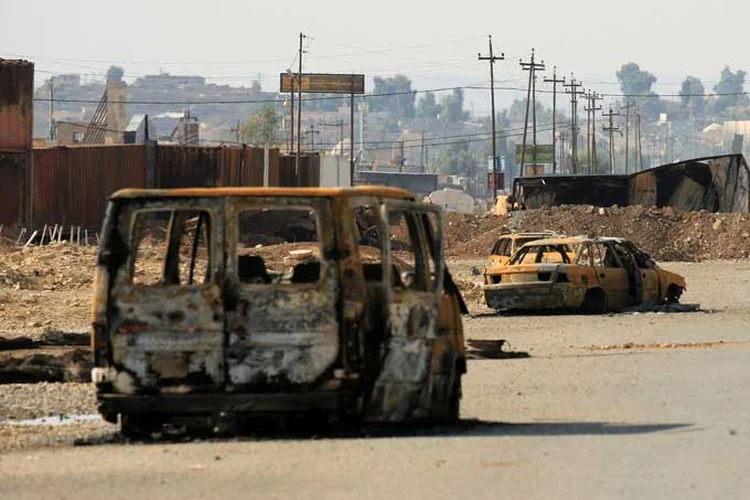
{"points": [[70, 185]]}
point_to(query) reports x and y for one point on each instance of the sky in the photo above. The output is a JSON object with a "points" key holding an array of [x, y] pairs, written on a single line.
{"points": [[435, 44]]}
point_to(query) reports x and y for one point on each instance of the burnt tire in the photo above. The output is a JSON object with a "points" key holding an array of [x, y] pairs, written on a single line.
{"points": [[594, 302], [136, 426], [453, 413], [674, 293]]}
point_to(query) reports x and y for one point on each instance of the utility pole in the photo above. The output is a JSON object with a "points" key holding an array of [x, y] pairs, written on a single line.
{"points": [[491, 58], [531, 67], [611, 129], [574, 93], [591, 109], [236, 131], [638, 138], [554, 81], [562, 151], [312, 133], [299, 105], [421, 155], [628, 106], [51, 108], [401, 157]]}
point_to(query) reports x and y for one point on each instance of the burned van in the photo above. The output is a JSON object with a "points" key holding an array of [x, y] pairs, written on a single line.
{"points": [[216, 304]]}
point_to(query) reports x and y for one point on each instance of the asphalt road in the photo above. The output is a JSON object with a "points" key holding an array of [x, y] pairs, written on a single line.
{"points": [[623, 406]]}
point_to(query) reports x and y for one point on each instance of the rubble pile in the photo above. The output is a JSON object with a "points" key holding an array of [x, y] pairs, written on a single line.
{"points": [[49, 267], [667, 234]]}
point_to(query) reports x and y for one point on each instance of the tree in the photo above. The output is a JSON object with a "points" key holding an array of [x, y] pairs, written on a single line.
{"points": [[692, 97], [457, 159], [427, 107], [453, 107], [115, 73], [262, 127], [400, 102], [636, 85], [731, 87]]}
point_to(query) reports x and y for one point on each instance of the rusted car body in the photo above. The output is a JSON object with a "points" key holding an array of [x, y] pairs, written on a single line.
{"points": [[215, 304], [587, 274], [506, 246]]}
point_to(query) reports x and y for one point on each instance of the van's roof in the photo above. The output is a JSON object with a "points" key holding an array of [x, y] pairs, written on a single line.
{"points": [[378, 191]]}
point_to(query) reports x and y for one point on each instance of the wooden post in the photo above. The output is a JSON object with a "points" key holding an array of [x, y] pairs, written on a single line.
{"points": [[97, 239], [86, 237], [71, 235], [78, 236], [33, 235], [20, 235], [59, 234], [44, 233]]}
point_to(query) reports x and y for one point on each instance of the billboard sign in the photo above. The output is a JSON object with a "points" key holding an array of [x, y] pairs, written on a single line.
{"points": [[323, 83]]}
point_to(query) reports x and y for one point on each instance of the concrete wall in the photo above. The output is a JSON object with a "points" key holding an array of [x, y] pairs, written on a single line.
{"points": [[117, 116], [334, 171]]}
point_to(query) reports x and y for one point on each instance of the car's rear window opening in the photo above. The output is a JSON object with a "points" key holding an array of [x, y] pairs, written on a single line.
{"points": [[542, 254], [278, 245]]}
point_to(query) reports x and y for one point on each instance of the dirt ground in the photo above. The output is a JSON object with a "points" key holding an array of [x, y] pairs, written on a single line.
{"points": [[633, 404]]}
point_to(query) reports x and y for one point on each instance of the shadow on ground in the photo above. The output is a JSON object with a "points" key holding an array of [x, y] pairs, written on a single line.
{"points": [[464, 428]]}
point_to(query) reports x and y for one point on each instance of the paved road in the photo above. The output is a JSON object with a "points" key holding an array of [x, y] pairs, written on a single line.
{"points": [[666, 418]]}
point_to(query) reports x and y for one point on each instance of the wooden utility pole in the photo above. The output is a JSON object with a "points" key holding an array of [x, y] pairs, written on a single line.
{"points": [[51, 108], [562, 152], [532, 68], [591, 109], [491, 58], [299, 105], [638, 138], [312, 133], [574, 93], [554, 81], [628, 106], [236, 131], [611, 129]]}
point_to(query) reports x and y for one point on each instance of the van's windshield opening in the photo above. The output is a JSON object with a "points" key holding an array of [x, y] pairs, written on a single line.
{"points": [[278, 245]]}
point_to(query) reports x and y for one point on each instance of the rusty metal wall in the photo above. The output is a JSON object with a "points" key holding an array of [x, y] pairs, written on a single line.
{"points": [[16, 105], [71, 185], [12, 188], [308, 175], [187, 166]]}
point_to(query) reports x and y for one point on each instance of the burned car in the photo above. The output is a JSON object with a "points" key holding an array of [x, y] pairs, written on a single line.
{"points": [[588, 274], [212, 305], [506, 246]]}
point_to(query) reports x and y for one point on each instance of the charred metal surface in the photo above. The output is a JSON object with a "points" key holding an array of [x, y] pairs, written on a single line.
{"points": [[630, 278], [714, 184], [342, 343]]}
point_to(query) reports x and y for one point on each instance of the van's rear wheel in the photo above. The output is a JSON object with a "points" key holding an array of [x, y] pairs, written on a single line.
{"points": [[136, 425]]}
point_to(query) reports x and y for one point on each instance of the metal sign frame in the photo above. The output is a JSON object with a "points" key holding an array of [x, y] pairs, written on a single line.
{"points": [[322, 83]]}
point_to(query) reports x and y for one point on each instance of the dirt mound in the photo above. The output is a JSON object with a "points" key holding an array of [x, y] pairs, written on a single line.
{"points": [[665, 233], [48, 267]]}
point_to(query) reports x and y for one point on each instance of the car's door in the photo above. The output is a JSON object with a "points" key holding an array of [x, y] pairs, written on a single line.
{"points": [[635, 276], [612, 277], [413, 297], [649, 275], [166, 307], [282, 293]]}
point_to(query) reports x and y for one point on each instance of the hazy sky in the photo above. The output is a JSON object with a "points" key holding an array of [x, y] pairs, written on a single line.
{"points": [[434, 43]]}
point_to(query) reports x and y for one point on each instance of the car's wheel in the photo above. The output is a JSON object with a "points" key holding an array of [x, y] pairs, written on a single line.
{"points": [[454, 402], [674, 293], [136, 426], [594, 302]]}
